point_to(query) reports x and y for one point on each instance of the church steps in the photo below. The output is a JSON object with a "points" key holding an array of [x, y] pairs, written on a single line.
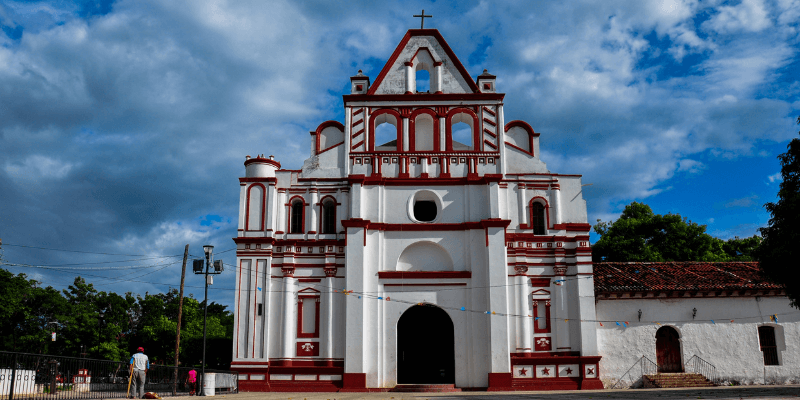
{"points": [[426, 388], [675, 380]]}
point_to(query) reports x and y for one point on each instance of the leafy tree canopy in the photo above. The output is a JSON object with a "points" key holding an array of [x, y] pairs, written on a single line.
{"points": [[779, 253], [110, 326], [641, 235]]}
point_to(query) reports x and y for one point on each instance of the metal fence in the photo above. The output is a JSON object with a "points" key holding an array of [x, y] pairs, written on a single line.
{"points": [[40, 376]]}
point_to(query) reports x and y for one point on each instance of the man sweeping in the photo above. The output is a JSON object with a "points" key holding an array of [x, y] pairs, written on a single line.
{"points": [[139, 366]]}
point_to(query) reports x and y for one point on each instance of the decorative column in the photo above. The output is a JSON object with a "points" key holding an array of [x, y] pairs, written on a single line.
{"points": [[555, 193], [313, 212], [411, 78], [330, 274], [438, 71], [282, 213], [524, 331], [561, 311], [523, 204], [289, 321]]}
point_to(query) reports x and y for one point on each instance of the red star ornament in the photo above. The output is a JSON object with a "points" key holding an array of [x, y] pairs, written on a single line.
{"points": [[546, 371], [569, 371], [523, 372]]}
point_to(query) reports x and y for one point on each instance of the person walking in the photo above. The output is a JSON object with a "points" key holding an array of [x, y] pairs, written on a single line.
{"points": [[139, 366], [191, 381]]}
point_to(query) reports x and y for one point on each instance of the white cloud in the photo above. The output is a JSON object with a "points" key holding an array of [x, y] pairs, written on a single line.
{"points": [[36, 168], [776, 177], [749, 16]]}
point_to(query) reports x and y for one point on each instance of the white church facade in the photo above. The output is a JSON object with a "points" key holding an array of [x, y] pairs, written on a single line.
{"points": [[425, 242], [443, 252]]}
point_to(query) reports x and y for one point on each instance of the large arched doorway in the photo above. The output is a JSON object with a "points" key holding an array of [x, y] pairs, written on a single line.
{"points": [[668, 350], [425, 346]]}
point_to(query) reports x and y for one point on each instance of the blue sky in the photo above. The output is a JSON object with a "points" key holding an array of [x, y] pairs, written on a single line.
{"points": [[124, 124]]}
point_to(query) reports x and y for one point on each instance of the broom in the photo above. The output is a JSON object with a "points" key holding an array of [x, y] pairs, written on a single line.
{"points": [[130, 377]]}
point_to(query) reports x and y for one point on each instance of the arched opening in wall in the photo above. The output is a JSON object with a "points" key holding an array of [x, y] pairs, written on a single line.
{"points": [[385, 133], [296, 220], [328, 217], [423, 133], [538, 218], [423, 81], [668, 350], [425, 206], [425, 346], [462, 132]]}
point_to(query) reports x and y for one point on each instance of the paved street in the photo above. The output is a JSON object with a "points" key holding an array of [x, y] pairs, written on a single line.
{"points": [[732, 393]]}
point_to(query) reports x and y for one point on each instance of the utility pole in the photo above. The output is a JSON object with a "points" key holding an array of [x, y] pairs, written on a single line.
{"points": [[197, 267], [180, 315]]}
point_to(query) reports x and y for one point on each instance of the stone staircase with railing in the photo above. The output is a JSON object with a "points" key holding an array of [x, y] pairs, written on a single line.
{"points": [[675, 380]]}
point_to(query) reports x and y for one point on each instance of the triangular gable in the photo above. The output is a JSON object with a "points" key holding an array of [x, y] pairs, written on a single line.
{"points": [[541, 292], [391, 80], [308, 291]]}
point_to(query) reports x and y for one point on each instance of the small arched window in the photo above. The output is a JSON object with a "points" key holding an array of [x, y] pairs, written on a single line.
{"points": [[538, 218], [328, 217], [296, 217], [769, 346]]}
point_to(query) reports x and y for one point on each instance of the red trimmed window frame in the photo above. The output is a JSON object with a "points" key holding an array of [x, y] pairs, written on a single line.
{"points": [[541, 200], [372, 126], [289, 213], [263, 207], [300, 333], [321, 204], [536, 328], [476, 142], [412, 129]]}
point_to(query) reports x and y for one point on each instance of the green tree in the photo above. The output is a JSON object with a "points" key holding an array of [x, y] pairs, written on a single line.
{"points": [[641, 235], [779, 253]]}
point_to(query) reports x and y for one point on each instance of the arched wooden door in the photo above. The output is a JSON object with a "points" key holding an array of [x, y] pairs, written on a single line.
{"points": [[668, 350]]}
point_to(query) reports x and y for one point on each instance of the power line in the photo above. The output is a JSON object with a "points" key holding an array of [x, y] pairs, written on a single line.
{"points": [[86, 252]]}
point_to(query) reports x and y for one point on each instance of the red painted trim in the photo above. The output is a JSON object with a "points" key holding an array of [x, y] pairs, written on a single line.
{"points": [[489, 110], [489, 122], [485, 130], [449, 129], [255, 311], [540, 282], [500, 381], [400, 47], [300, 333], [307, 280], [355, 135], [490, 144], [536, 328], [574, 227], [381, 226], [271, 181], [359, 111], [546, 212], [426, 284], [289, 215], [318, 132], [354, 380], [274, 163], [423, 99], [424, 274], [238, 303], [398, 125], [322, 216], [412, 128], [263, 207], [531, 134], [483, 180], [334, 146]]}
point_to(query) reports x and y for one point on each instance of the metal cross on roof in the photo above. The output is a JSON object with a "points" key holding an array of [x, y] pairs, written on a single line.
{"points": [[422, 17]]}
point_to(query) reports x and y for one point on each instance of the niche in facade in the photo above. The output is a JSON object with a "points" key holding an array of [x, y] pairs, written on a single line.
{"points": [[425, 206]]}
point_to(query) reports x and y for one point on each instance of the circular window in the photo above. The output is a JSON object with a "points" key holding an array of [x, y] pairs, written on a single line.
{"points": [[425, 206]]}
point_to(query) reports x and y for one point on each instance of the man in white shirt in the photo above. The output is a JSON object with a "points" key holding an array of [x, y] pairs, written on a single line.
{"points": [[139, 366]]}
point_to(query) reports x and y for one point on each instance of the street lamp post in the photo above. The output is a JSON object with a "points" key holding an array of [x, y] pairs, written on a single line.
{"points": [[198, 270]]}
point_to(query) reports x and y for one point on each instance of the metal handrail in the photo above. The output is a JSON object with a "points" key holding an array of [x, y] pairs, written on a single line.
{"points": [[700, 366], [646, 367]]}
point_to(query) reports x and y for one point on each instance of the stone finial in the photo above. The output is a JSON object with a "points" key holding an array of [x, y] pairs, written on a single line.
{"points": [[247, 157]]}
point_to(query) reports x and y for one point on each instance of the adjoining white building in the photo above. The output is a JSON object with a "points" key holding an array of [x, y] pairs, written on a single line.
{"points": [[440, 250], [682, 315]]}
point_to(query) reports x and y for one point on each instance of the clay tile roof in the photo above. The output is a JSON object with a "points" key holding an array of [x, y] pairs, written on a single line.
{"points": [[672, 276]]}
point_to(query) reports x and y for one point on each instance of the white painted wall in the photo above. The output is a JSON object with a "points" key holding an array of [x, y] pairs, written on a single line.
{"points": [[732, 347]]}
